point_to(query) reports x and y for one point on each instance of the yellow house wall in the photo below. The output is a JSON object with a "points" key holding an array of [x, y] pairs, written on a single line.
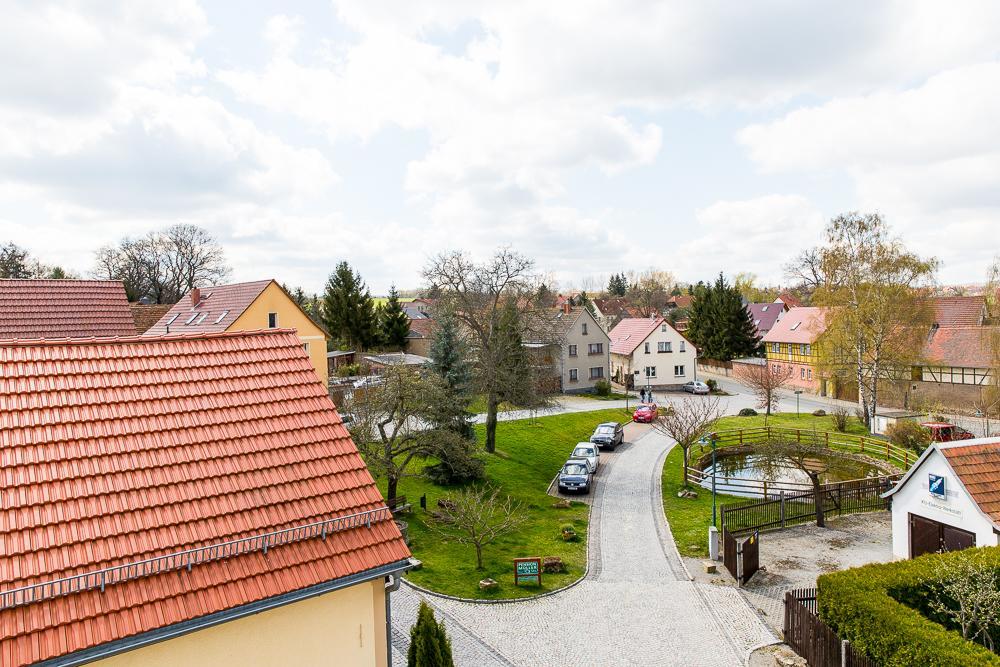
{"points": [[345, 628], [274, 300], [791, 352]]}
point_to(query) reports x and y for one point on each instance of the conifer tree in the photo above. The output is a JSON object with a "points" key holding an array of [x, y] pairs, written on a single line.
{"points": [[348, 309], [617, 285], [394, 323], [429, 643], [449, 361], [721, 326]]}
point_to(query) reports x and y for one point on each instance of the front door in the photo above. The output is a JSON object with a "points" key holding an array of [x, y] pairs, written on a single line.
{"points": [[928, 536]]}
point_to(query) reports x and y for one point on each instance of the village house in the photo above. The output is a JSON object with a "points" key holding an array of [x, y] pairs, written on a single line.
{"points": [[609, 311], [252, 306], [582, 358], [187, 500], [791, 348], [766, 315], [420, 337], [64, 309], [649, 352], [145, 315]]}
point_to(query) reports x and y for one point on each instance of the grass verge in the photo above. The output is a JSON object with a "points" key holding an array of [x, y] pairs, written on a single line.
{"points": [[529, 453]]}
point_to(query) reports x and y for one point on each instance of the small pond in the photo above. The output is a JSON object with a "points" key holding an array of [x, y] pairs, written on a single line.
{"points": [[783, 474]]}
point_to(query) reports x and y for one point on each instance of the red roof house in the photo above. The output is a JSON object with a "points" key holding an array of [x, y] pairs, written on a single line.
{"points": [[154, 486], [959, 311], [64, 309]]}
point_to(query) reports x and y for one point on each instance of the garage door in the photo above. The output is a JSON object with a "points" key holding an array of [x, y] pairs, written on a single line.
{"points": [[928, 536]]}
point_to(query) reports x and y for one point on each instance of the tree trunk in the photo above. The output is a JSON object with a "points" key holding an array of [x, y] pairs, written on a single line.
{"points": [[492, 403], [479, 556], [391, 487], [685, 449], [818, 500]]}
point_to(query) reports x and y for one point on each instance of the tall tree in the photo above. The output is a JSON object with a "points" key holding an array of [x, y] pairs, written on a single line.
{"points": [[393, 321], [429, 643], [449, 361], [309, 303], [617, 285], [164, 265], [650, 291], [721, 326], [348, 309], [17, 262], [764, 382], [878, 313], [478, 294]]}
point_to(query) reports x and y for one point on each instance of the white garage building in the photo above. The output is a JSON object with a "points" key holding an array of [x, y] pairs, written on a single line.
{"points": [[949, 500]]}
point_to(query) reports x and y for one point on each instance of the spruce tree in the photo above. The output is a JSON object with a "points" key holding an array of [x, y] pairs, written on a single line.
{"points": [[617, 285], [348, 309], [394, 323], [429, 643], [721, 326], [449, 361]]}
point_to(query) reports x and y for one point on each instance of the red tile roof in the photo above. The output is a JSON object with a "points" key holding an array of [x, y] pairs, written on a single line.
{"points": [[789, 300], [631, 331], [681, 301], [421, 328], [116, 450], [64, 309], [217, 308], [960, 347], [798, 325], [978, 466], [959, 311], [146, 316]]}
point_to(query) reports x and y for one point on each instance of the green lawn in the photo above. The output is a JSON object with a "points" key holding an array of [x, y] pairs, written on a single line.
{"points": [[529, 454], [613, 396], [689, 518]]}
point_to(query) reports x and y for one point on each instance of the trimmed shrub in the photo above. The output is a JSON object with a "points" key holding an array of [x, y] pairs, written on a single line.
{"points": [[876, 608], [819, 413], [747, 412], [602, 388], [429, 643], [712, 384], [909, 435]]}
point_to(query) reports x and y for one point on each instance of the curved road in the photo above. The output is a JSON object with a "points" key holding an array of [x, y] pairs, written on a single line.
{"points": [[636, 606]]}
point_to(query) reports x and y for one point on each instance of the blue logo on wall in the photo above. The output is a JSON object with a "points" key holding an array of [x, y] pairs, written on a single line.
{"points": [[936, 486]]}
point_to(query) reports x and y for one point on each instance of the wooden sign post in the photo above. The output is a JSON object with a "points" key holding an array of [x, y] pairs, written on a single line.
{"points": [[527, 571]]}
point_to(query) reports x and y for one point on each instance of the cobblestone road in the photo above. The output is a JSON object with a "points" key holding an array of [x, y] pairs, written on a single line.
{"points": [[637, 605]]}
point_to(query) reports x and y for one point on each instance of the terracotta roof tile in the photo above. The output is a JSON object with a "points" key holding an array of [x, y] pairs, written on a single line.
{"points": [[790, 300], [960, 347], [64, 309], [217, 308], [421, 328], [798, 325], [631, 331], [978, 466], [146, 315], [959, 311], [116, 450]]}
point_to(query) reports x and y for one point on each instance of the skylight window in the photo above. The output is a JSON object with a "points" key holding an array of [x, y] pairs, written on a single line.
{"points": [[764, 309], [191, 319], [220, 317], [796, 326], [202, 318], [172, 318]]}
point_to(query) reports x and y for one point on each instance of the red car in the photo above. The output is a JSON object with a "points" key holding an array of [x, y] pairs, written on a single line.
{"points": [[944, 432], [645, 413]]}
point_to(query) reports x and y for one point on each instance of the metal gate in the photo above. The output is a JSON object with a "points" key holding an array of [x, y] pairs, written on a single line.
{"points": [[741, 555]]}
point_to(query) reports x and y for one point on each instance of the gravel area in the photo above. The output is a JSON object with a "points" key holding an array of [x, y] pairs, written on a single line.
{"points": [[636, 606]]}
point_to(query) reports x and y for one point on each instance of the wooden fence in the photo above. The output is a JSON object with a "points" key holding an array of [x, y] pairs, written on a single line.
{"points": [[844, 442], [813, 639], [791, 508]]}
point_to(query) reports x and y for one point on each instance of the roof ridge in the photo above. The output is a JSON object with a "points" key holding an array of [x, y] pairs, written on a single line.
{"points": [[151, 338]]}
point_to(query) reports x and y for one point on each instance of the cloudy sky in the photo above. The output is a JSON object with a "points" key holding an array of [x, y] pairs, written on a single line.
{"points": [[593, 136]]}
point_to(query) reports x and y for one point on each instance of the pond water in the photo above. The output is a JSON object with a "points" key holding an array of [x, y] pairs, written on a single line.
{"points": [[781, 474]]}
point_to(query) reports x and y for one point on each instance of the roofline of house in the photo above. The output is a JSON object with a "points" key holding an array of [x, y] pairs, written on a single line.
{"points": [[106, 340], [659, 321], [63, 280], [175, 630]]}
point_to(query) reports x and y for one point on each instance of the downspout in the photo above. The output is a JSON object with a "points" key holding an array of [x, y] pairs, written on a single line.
{"points": [[392, 582]]}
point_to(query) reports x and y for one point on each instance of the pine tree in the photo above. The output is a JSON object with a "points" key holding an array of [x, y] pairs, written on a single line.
{"points": [[617, 285], [721, 326], [449, 354], [394, 323], [429, 643], [584, 300], [348, 309]]}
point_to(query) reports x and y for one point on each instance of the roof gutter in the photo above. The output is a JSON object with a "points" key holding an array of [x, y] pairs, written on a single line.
{"points": [[165, 633]]}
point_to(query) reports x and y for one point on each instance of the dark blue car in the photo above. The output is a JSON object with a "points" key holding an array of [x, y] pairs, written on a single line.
{"points": [[575, 476]]}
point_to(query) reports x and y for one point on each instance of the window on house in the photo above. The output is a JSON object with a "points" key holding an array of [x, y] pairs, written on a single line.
{"points": [[595, 348], [809, 374], [651, 371], [272, 320], [663, 327], [584, 328], [646, 348], [682, 346], [221, 316], [795, 326], [663, 346], [191, 319], [305, 346], [172, 318], [802, 374], [574, 375], [572, 350], [597, 373], [774, 348], [679, 371], [202, 318], [807, 349]]}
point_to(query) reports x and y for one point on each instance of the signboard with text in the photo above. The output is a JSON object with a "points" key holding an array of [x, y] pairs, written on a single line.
{"points": [[935, 485], [528, 571]]}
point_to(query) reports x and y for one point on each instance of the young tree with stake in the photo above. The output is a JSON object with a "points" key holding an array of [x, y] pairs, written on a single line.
{"points": [[764, 382], [687, 422], [478, 516]]}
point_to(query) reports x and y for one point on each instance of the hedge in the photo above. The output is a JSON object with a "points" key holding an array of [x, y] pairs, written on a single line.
{"points": [[863, 605]]}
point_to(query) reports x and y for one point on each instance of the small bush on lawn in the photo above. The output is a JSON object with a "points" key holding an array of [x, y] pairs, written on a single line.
{"points": [[602, 388], [819, 413], [840, 419], [712, 385], [909, 435], [747, 412], [886, 611]]}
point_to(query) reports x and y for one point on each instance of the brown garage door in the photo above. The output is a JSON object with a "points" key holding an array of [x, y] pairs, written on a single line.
{"points": [[927, 536]]}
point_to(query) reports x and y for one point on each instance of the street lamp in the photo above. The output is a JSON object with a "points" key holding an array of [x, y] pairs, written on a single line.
{"points": [[702, 442], [797, 392]]}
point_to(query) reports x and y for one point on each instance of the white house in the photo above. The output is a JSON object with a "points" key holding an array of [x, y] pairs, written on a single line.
{"points": [[647, 351], [949, 499]]}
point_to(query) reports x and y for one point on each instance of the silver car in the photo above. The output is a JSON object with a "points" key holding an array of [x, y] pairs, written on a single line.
{"points": [[589, 452], [696, 387]]}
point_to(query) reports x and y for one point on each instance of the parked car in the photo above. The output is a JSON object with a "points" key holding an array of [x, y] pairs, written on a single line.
{"points": [[695, 387], [588, 452], [575, 476], [945, 432], [608, 435], [645, 413]]}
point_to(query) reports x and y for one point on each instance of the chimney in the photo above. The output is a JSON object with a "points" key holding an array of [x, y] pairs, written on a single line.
{"points": [[195, 297], [566, 307]]}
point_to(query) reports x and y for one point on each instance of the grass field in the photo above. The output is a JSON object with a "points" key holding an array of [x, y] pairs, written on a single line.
{"points": [[689, 518], [529, 454]]}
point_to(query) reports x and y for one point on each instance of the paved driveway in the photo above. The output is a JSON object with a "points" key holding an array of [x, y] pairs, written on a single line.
{"points": [[637, 605]]}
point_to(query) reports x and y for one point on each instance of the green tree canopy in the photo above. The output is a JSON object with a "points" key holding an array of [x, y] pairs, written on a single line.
{"points": [[348, 309], [394, 323], [721, 326], [617, 284], [429, 643]]}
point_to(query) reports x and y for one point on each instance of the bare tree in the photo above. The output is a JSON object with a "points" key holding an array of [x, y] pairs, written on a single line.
{"points": [[491, 300], [811, 457], [764, 382], [649, 291], [478, 516], [806, 271], [17, 262], [687, 421], [966, 591], [164, 265]]}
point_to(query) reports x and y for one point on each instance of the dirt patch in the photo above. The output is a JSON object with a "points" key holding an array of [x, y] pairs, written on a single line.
{"points": [[842, 542]]}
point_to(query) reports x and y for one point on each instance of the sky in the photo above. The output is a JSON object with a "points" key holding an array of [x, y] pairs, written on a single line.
{"points": [[593, 137]]}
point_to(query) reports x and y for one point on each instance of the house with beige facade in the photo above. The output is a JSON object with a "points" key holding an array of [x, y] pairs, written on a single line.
{"points": [[583, 356], [649, 352]]}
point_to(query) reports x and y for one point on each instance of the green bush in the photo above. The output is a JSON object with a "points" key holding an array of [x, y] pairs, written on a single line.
{"points": [[819, 413], [841, 417], [909, 435], [876, 608], [602, 388], [712, 384], [429, 643], [350, 370], [747, 412]]}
